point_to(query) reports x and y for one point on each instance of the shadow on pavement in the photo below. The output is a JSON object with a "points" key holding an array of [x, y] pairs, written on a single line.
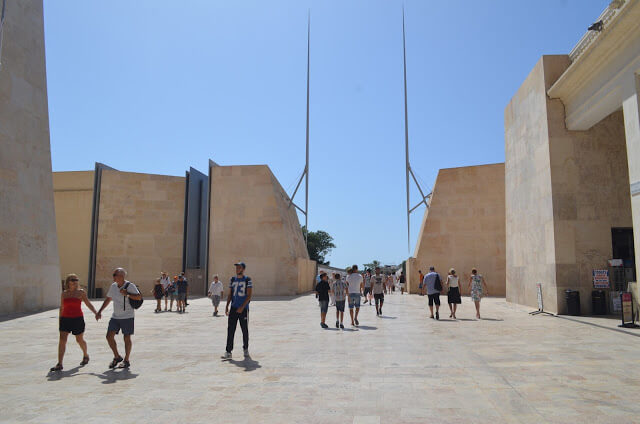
{"points": [[111, 376], [59, 375], [247, 363], [387, 317], [367, 327], [491, 319]]}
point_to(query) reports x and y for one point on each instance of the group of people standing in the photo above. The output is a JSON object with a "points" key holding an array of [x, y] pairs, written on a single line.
{"points": [[171, 290], [433, 286]]}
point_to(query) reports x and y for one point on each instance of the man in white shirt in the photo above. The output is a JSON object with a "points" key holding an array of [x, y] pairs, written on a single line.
{"points": [[215, 293], [123, 315], [165, 281], [356, 285]]}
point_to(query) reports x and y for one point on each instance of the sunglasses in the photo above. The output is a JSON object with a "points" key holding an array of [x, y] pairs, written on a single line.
{"points": [[115, 273], [74, 279]]}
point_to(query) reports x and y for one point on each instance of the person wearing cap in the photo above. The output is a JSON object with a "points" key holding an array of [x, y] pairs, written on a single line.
{"points": [[240, 290]]}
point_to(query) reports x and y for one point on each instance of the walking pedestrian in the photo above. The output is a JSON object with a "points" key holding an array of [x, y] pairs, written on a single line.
{"points": [[356, 283], [340, 291], [215, 293], [478, 288], [322, 289], [367, 287], [120, 292], [240, 291], [453, 293], [173, 293], [182, 289], [378, 281], [401, 283], [185, 303], [71, 319], [421, 285], [166, 282], [158, 293], [433, 285]]}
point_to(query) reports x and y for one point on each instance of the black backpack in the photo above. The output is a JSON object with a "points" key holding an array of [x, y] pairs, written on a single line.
{"points": [[438, 284], [135, 304]]}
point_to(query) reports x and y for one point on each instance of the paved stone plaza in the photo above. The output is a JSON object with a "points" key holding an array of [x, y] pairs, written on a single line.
{"points": [[403, 368]]}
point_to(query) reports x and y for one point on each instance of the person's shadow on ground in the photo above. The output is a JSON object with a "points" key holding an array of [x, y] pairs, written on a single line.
{"points": [[387, 317], [367, 327], [117, 374], [247, 363], [58, 375]]}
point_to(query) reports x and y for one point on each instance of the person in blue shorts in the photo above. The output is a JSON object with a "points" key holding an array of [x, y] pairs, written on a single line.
{"points": [[340, 293], [240, 290]]}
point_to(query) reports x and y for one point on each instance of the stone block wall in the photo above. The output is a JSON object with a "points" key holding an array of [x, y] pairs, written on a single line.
{"points": [[73, 195], [28, 244], [140, 228], [251, 221], [464, 227]]}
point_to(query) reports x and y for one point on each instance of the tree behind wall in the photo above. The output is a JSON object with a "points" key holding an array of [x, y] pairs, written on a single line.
{"points": [[319, 244]]}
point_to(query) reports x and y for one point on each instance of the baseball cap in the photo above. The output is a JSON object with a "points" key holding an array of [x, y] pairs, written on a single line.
{"points": [[242, 264]]}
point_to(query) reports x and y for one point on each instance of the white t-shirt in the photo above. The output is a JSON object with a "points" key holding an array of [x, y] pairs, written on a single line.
{"points": [[121, 307], [165, 282], [354, 280], [216, 289]]}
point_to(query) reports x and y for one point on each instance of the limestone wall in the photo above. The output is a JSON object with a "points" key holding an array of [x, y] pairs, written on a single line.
{"points": [[530, 244], [28, 245], [141, 227], [251, 221], [73, 195], [464, 227]]}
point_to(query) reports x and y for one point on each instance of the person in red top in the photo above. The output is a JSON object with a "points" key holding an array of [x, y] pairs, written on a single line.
{"points": [[72, 319]]}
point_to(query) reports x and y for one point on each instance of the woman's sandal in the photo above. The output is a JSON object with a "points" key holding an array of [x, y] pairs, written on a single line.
{"points": [[115, 362], [125, 364], [58, 367], [85, 360]]}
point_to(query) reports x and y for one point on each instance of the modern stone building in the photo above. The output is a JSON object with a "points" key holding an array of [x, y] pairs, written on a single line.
{"points": [[572, 171], [28, 245], [464, 227], [150, 223]]}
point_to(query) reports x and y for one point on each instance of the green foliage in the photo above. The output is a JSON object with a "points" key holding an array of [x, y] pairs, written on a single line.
{"points": [[319, 244], [372, 266]]}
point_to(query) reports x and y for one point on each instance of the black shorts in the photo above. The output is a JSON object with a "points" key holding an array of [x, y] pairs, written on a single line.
{"points": [[126, 325], [340, 305], [74, 326], [367, 290], [379, 296], [434, 298]]}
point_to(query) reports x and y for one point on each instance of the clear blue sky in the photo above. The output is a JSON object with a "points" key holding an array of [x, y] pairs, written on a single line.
{"points": [[157, 86]]}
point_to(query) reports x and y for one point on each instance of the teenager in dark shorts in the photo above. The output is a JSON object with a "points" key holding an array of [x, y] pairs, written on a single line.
{"points": [[72, 319], [340, 293], [322, 289], [123, 315], [367, 287], [377, 281]]}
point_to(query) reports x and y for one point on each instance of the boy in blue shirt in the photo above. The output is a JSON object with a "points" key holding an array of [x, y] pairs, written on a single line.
{"points": [[240, 289]]}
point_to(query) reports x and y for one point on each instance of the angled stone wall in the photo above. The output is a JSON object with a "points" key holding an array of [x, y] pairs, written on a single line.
{"points": [[251, 221], [464, 227], [28, 245]]}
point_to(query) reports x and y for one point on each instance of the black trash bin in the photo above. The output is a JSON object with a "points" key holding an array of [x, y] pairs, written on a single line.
{"points": [[573, 302], [599, 302], [98, 292]]}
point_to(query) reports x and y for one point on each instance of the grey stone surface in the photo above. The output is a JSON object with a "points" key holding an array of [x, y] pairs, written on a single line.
{"points": [[404, 368]]}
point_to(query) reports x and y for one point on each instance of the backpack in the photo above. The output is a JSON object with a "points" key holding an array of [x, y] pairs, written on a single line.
{"points": [[135, 304], [438, 284]]}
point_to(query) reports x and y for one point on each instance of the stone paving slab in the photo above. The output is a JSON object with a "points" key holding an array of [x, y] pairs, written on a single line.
{"points": [[508, 367]]}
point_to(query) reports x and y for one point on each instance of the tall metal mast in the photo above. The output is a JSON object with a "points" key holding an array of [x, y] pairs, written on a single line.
{"points": [[409, 171], [305, 173]]}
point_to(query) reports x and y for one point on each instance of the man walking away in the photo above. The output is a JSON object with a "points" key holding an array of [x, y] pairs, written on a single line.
{"points": [[182, 286], [340, 293], [434, 287], [378, 281], [240, 290], [356, 283], [215, 293], [120, 292], [421, 285], [322, 290]]}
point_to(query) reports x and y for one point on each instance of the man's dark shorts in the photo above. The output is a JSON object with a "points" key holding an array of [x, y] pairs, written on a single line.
{"points": [[340, 305], [434, 298], [379, 296], [367, 290], [324, 306], [126, 325]]}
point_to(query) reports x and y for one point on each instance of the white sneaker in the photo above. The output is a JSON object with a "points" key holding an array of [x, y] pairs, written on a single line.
{"points": [[227, 355], [246, 353]]}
